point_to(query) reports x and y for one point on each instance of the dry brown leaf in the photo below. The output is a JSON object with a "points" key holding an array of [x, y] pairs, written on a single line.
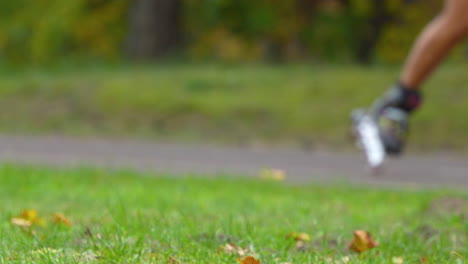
{"points": [[362, 241], [273, 174], [60, 218], [423, 260], [248, 260]]}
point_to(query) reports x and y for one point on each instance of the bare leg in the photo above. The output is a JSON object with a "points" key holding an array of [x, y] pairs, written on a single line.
{"points": [[391, 111], [435, 42]]}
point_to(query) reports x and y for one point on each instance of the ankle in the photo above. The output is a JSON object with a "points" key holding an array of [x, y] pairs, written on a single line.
{"points": [[410, 98]]}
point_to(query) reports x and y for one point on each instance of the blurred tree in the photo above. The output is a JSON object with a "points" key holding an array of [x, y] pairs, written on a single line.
{"points": [[155, 28], [48, 31], [409, 18], [330, 34], [372, 29]]}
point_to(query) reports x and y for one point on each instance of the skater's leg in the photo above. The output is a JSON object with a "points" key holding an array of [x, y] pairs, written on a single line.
{"points": [[391, 111], [435, 42], [430, 48]]}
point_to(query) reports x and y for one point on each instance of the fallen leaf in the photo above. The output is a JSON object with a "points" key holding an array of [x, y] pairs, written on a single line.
{"points": [[28, 218], [248, 260], [60, 218], [273, 174], [299, 236], [28, 214], [21, 222], [423, 260], [397, 260], [233, 249], [362, 241]]}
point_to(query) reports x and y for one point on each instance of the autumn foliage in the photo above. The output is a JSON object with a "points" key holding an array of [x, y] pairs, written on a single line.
{"points": [[362, 241], [231, 30]]}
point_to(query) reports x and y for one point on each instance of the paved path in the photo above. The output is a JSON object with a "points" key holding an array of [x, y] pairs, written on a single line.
{"points": [[431, 170]]}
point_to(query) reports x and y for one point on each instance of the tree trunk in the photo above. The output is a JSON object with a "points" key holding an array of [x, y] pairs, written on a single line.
{"points": [[372, 31], [155, 28]]}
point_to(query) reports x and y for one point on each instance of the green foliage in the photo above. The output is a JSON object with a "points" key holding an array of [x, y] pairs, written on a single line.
{"points": [[43, 31], [327, 30], [408, 21], [238, 30]]}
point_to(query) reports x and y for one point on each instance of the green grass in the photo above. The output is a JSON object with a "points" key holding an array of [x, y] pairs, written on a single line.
{"points": [[298, 105], [125, 217]]}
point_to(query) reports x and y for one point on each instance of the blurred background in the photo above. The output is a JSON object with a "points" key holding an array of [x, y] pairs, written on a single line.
{"points": [[232, 71]]}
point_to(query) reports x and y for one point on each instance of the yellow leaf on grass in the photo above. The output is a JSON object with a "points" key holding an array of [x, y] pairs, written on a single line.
{"points": [[28, 214], [273, 174], [60, 218], [362, 241], [32, 215], [28, 218], [299, 236], [248, 260]]}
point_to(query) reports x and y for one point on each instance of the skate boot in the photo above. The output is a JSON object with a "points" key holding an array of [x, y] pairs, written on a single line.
{"points": [[384, 128], [391, 113]]}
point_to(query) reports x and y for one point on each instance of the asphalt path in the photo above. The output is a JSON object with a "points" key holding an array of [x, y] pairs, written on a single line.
{"points": [[431, 170]]}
